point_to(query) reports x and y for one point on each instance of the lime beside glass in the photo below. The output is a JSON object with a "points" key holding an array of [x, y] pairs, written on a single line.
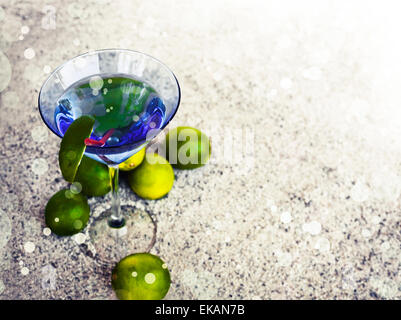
{"points": [[141, 276], [94, 177], [133, 162], [187, 148], [67, 213], [153, 179]]}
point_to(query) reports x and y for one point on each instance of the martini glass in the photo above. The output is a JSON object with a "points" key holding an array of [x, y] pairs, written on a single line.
{"points": [[79, 87]]}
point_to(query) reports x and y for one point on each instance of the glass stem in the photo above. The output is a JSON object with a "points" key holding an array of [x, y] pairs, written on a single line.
{"points": [[116, 219]]}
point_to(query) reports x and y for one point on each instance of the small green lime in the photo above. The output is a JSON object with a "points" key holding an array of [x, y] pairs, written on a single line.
{"points": [[141, 276], [153, 179], [73, 146], [67, 213], [94, 177], [187, 148], [134, 161]]}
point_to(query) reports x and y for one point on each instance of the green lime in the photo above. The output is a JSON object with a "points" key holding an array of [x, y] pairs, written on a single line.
{"points": [[67, 213], [187, 148], [94, 177], [153, 179], [141, 276], [133, 162], [73, 146]]}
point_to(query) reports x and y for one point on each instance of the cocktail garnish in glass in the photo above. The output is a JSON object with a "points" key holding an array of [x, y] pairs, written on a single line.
{"points": [[132, 96]]}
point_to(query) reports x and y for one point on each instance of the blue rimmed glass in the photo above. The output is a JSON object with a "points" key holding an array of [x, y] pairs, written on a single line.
{"points": [[113, 227]]}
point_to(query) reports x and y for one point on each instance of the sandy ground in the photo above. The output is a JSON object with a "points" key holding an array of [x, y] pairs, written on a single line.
{"points": [[304, 204]]}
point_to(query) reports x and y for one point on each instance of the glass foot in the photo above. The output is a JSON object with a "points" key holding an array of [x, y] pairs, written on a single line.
{"points": [[110, 245]]}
